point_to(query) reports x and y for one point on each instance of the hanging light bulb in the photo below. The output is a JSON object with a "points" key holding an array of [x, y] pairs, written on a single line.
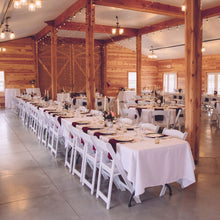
{"points": [[121, 31], [12, 35], [2, 35], [183, 8], [17, 4], [113, 30], [152, 55], [203, 49], [31, 6], [3, 49], [23, 2], [38, 3]]}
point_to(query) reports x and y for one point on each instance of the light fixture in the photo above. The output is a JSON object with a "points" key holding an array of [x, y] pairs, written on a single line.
{"points": [[117, 29], [203, 49], [183, 8], [7, 30], [2, 49], [32, 4], [152, 55]]}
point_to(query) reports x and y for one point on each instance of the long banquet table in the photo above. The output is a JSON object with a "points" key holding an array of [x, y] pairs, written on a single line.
{"points": [[149, 164]]}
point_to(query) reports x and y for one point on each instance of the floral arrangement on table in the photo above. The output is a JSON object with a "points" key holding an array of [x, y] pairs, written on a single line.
{"points": [[157, 100], [215, 92], [109, 116], [67, 105]]}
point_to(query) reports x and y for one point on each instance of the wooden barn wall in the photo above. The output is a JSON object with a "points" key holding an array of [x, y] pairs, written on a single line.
{"points": [[71, 68], [210, 63], [120, 61], [18, 63]]}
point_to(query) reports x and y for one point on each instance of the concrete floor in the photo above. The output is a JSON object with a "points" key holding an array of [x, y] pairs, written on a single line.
{"points": [[35, 185]]}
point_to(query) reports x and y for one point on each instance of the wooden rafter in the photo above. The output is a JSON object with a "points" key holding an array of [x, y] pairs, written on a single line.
{"points": [[69, 12], [211, 12], [162, 25], [75, 26], [117, 38], [144, 6], [43, 32]]}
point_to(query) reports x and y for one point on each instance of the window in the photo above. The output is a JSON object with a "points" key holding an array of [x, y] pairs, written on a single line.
{"points": [[132, 80], [213, 83], [170, 82], [2, 81]]}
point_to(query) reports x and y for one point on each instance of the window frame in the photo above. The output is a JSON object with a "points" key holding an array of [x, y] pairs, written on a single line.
{"points": [[176, 81], [3, 82], [133, 80], [216, 74]]}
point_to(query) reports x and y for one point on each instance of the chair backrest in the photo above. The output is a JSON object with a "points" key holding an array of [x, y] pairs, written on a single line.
{"points": [[133, 114], [105, 149], [88, 143], [175, 133], [150, 127]]}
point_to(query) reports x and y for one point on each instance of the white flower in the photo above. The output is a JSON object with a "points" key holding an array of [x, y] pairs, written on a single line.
{"points": [[158, 101]]}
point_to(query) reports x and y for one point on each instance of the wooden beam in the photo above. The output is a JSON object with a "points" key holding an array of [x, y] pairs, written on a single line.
{"points": [[103, 69], [90, 61], [36, 63], [116, 38], [69, 12], [76, 26], [54, 62], [138, 63], [211, 12], [162, 25], [193, 80], [144, 6], [43, 32]]}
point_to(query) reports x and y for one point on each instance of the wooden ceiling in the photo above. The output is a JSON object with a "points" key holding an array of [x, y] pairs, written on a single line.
{"points": [[135, 16]]}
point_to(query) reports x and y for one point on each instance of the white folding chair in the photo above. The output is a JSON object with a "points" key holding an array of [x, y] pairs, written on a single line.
{"points": [[79, 151], [56, 134], [150, 127], [161, 118], [113, 168], [70, 141], [91, 159], [175, 133]]}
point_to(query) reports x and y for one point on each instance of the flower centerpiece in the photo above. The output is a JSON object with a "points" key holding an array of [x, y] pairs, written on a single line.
{"points": [[67, 105], [109, 117]]}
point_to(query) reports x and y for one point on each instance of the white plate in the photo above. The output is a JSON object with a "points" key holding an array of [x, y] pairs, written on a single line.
{"points": [[123, 139], [95, 127], [154, 135]]}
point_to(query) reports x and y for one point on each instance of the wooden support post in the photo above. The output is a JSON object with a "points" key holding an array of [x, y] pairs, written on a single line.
{"points": [[138, 63], [103, 68], [90, 61], [54, 62], [36, 64], [193, 82]]}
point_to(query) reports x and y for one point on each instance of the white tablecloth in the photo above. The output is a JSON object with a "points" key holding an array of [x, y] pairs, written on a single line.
{"points": [[33, 90], [149, 164], [9, 95], [125, 96]]}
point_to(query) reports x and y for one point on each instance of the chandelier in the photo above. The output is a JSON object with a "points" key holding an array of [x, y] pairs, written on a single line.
{"points": [[7, 30], [117, 29], [152, 55], [32, 4]]}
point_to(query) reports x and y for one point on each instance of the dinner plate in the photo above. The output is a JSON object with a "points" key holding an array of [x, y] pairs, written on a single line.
{"points": [[107, 132], [154, 135], [95, 127], [123, 139], [82, 122]]}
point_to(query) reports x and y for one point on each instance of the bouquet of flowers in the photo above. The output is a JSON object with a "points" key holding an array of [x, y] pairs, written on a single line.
{"points": [[67, 105], [110, 116]]}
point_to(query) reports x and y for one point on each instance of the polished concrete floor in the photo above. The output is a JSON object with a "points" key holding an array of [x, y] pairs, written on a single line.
{"points": [[35, 185]]}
